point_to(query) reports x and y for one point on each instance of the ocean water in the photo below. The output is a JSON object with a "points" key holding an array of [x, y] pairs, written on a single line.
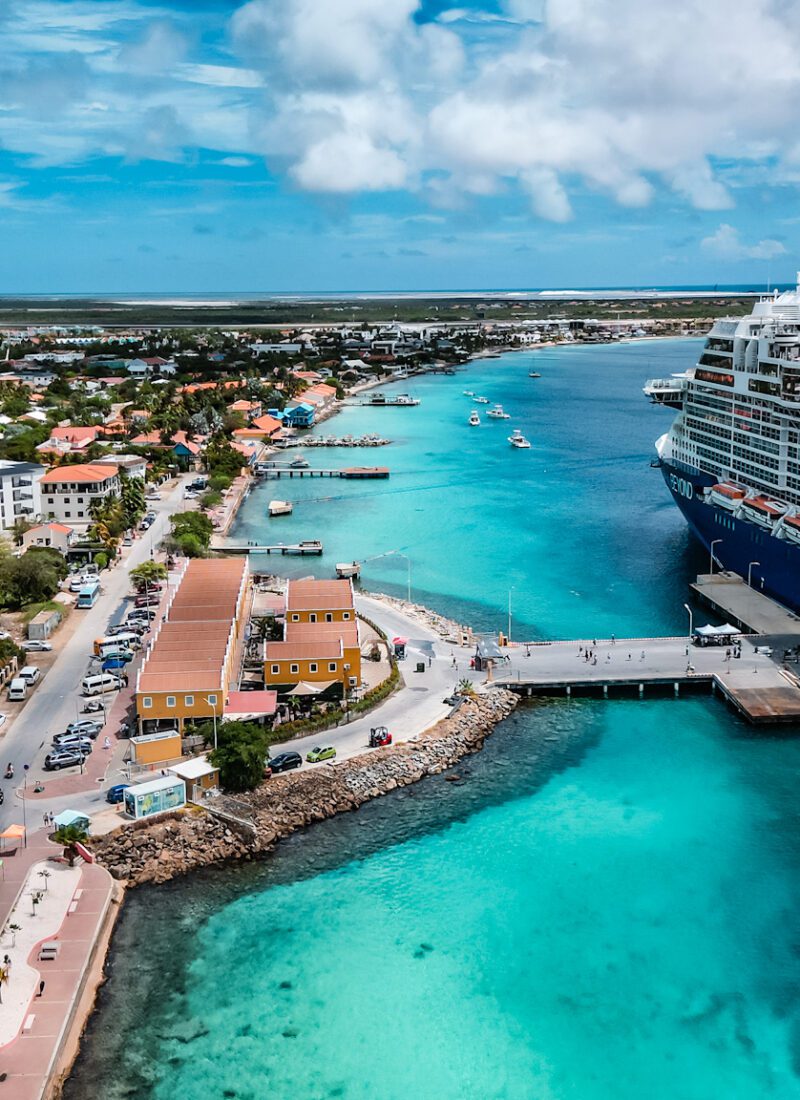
{"points": [[602, 907]]}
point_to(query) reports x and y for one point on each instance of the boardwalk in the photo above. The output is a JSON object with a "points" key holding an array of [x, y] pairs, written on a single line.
{"points": [[755, 683]]}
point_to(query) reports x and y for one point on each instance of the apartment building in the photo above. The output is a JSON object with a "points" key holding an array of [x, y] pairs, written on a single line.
{"points": [[67, 492], [20, 492]]}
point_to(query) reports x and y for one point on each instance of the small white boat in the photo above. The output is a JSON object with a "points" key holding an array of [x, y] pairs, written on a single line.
{"points": [[518, 440], [298, 464], [474, 419], [469, 393], [497, 413], [279, 508], [482, 400], [534, 374]]}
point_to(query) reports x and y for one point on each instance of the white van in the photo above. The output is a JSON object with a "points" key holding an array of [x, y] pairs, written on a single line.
{"points": [[97, 685], [17, 690], [30, 674]]}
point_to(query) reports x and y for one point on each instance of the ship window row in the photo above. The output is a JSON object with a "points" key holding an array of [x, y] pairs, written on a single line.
{"points": [[720, 431], [742, 424], [757, 445], [714, 343], [748, 472], [713, 359], [755, 456], [755, 385], [711, 398]]}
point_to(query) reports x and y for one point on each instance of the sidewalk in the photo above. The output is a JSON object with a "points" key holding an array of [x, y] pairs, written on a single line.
{"points": [[40, 1023]]}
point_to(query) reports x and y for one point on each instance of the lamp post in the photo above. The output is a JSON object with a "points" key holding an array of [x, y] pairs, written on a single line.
{"points": [[691, 620], [750, 572], [508, 634], [24, 814], [711, 559], [214, 719]]}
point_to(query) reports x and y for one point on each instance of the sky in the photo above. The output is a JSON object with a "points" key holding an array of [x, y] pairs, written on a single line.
{"points": [[397, 145]]}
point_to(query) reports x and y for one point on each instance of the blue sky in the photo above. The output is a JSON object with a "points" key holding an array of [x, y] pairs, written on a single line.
{"points": [[323, 145]]}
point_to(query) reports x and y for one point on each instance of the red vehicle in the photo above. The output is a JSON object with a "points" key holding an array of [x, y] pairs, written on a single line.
{"points": [[379, 736], [150, 586], [147, 599]]}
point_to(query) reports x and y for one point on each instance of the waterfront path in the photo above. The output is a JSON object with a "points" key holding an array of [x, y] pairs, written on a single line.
{"points": [[33, 1028]]}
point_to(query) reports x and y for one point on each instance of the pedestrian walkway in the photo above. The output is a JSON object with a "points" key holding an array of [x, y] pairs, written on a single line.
{"points": [[32, 1026]]}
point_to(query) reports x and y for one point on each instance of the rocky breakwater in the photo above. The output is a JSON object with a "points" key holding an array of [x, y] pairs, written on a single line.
{"points": [[165, 849]]}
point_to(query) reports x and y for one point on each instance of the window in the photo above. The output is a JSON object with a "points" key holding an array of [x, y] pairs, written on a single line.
{"points": [[295, 618], [312, 667], [276, 669], [51, 500], [147, 702], [67, 515], [328, 617], [345, 615], [312, 618], [189, 700], [212, 700], [294, 669], [79, 500], [80, 515], [170, 700], [331, 666]]}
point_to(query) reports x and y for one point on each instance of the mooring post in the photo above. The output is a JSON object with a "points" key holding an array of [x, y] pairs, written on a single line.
{"points": [[641, 690], [676, 687]]}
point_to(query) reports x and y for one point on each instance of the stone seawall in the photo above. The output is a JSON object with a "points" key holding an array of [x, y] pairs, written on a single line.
{"points": [[167, 848]]}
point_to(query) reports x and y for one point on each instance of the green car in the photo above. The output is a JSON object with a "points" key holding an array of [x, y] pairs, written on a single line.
{"points": [[318, 754]]}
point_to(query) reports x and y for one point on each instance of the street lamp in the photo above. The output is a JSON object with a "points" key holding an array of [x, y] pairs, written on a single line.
{"points": [[508, 635], [214, 718], [750, 572], [690, 620], [711, 561], [24, 814]]}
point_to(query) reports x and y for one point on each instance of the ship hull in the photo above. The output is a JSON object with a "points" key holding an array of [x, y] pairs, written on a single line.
{"points": [[740, 542]]}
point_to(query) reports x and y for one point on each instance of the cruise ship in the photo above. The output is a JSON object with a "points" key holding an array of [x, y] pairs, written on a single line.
{"points": [[731, 458]]}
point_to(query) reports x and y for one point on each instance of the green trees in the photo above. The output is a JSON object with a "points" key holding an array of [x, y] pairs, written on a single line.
{"points": [[132, 497], [148, 572], [221, 458], [191, 532], [70, 836], [33, 578], [241, 751]]}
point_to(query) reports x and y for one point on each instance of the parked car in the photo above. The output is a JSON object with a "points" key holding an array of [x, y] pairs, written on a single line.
{"points": [[114, 664], [149, 586], [122, 654], [88, 727], [285, 761], [141, 614], [318, 754], [116, 794], [127, 541], [73, 741], [62, 759], [145, 525], [147, 600], [153, 494], [33, 645]]}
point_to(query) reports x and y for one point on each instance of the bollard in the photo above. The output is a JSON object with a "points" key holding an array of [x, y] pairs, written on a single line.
{"points": [[641, 690], [605, 691], [676, 687]]}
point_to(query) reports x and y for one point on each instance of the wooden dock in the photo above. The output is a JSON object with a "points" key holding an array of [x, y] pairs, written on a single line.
{"points": [[349, 473], [312, 547]]}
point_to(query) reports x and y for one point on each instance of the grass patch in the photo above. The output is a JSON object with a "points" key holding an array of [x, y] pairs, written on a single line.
{"points": [[31, 610]]}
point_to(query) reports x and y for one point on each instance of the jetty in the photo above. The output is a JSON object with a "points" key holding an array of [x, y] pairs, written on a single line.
{"points": [[755, 683], [311, 546], [349, 473]]}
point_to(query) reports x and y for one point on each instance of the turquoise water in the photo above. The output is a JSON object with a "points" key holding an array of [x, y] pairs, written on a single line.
{"points": [[580, 526], [602, 908]]}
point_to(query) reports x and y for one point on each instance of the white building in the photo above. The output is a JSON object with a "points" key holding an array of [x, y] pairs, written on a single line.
{"points": [[20, 492], [67, 492]]}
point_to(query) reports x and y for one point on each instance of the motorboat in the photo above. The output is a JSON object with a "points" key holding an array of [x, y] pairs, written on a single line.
{"points": [[474, 419], [298, 464], [482, 400], [534, 374], [279, 508], [497, 413], [469, 393], [518, 440]]}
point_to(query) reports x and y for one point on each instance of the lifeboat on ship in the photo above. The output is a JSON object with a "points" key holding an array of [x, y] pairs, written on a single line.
{"points": [[790, 529], [762, 511], [725, 495]]}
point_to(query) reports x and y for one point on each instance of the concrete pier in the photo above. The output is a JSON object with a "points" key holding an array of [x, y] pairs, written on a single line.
{"points": [[733, 599], [756, 684]]}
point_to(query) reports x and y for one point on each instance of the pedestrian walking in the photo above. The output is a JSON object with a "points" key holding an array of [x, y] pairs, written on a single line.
{"points": [[107, 742], [46, 818], [455, 663], [41, 989], [642, 656], [613, 640], [628, 657]]}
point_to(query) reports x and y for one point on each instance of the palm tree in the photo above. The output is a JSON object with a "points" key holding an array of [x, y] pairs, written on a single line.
{"points": [[70, 836], [44, 875], [466, 687], [13, 929], [36, 897]]}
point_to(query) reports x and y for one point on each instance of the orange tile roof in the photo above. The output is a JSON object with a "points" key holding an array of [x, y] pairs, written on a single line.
{"points": [[74, 435], [86, 472], [322, 632], [314, 595], [303, 651]]}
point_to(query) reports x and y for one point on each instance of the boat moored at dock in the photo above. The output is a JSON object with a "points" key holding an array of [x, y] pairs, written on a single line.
{"points": [[280, 508]]}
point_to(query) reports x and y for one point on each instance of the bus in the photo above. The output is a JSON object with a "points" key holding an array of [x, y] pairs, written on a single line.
{"points": [[87, 597]]}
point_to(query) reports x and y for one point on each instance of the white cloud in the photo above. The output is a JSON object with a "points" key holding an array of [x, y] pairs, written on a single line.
{"points": [[160, 47], [727, 244]]}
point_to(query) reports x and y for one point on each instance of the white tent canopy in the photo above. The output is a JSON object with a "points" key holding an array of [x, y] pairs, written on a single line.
{"points": [[725, 631]]}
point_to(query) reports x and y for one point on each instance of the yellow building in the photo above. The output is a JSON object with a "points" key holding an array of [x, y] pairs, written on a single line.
{"points": [[321, 642], [193, 657]]}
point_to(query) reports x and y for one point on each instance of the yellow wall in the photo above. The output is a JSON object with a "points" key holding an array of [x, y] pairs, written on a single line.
{"points": [[156, 752], [286, 676], [182, 711], [343, 615]]}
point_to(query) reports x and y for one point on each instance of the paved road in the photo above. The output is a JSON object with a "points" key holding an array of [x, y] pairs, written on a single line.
{"points": [[56, 701]]}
